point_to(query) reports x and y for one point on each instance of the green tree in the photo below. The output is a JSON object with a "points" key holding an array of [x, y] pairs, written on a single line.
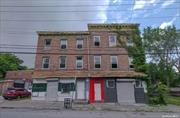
{"points": [[136, 51], [9, 62], [162, 48]]}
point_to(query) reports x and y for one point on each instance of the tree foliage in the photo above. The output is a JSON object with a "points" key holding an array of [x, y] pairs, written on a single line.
{"points": [[163, 45], [9, 62], [136, 51], [163, 52]]}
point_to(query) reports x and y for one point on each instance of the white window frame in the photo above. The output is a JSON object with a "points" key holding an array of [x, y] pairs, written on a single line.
{"points": [[65, 43], [130, 59], [43, 60], [141, 84], [45, 46], [95, 62], [81, 43], [99, 40], [111, 58], [60, 62], [114, 43], [77, 61], [108, 84]]}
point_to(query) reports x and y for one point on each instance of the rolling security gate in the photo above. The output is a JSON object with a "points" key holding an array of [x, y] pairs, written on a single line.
{"points": [[125, 91], [52, 90]]}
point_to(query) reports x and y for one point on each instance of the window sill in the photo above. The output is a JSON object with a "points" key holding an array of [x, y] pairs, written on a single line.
{"points": [[45, 68]]}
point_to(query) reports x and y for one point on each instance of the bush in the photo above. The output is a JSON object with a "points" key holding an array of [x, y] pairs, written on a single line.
{"points": [[158, 94]]}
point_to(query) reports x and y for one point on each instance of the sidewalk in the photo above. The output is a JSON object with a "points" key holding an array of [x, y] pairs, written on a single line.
{"points": [[44, 105]]}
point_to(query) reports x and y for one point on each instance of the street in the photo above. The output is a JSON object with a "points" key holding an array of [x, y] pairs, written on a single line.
{"points": [[27, 113]]}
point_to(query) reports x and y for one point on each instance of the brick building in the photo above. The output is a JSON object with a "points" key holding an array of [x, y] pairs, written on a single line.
{"points": [[86, 65]]}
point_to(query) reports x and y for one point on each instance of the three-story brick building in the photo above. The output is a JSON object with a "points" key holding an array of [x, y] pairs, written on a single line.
{"points": [[86, 65]]}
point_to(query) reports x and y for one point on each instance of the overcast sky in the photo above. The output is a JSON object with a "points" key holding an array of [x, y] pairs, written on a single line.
{"points": [[20, 19]]}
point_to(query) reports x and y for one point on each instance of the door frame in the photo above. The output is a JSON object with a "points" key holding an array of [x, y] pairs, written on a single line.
{"points": [[52, 80], [94, 80]]}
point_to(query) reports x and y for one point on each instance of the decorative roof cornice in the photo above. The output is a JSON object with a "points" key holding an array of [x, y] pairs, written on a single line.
{"points": [[65, 33], [113, 26]]}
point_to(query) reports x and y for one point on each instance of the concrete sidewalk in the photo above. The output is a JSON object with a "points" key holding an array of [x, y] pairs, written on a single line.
{"points": [[45, 105]]}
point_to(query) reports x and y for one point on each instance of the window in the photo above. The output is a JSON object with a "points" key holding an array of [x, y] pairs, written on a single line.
{"points": [[79, 62], [96, 40], [112, 41], [63, 43], [138, 84], [47, 43], [114, 62], [79, 43], [66, 87], [62, 62], [110, 84], [131, 66], [129, 41], [97, 61], [45, 64], [39, 87]]}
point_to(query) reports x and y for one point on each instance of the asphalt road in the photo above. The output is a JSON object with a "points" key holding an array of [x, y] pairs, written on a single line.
{"points": [[25, 113]]}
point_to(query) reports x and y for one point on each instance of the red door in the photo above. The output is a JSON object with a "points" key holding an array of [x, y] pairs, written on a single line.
{"points": [[96, 91]]}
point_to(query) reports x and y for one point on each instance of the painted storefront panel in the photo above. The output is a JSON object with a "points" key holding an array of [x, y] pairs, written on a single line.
{"points": [[110, 93], [39, 89], [96, 92], [66, 88]]}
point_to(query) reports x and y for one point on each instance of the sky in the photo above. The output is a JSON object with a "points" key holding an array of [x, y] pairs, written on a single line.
{"points": [[20, 19]]}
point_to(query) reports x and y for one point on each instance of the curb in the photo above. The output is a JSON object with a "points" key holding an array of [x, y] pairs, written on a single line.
{"points": [[87, 109]]}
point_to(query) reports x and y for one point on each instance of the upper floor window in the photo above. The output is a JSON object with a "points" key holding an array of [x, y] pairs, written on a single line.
{"points": [[131, 66], [112, 41], [114, 62], [47, 43], [45, 64], [129, 41], [96, 40], [79, 43], [79, 62], [62, 62], [97, 61], [63, 43]]}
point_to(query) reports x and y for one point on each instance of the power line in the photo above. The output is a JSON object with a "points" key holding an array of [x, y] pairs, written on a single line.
{"points": [[79, 5], [60, 53], [61, 11], [66, 20]]}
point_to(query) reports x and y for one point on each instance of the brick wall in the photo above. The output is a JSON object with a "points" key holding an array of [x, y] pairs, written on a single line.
{"points": [[71, 52]]}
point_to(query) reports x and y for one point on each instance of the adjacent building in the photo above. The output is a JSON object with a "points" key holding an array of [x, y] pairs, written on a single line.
{"points": [[20, 78], [87, 66]]}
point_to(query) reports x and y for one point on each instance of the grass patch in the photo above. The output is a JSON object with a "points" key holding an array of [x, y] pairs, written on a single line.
{"points": [[173, 100]]}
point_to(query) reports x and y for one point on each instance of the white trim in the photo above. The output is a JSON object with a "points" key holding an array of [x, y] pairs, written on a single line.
{"points": [[94, 62], [108, 84], [116, 61], [81, 42], [60, 62], [125, 80], [42, 66], [65, 43], [94, 40], [79, 61], [112, 44], [141, 84], [45, 46]]}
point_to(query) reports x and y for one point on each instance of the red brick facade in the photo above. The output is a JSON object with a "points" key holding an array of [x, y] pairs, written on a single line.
{"points": [[87, 52]]}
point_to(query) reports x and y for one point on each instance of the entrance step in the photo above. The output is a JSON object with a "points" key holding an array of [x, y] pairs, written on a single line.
{"points": [[80, 101]]}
